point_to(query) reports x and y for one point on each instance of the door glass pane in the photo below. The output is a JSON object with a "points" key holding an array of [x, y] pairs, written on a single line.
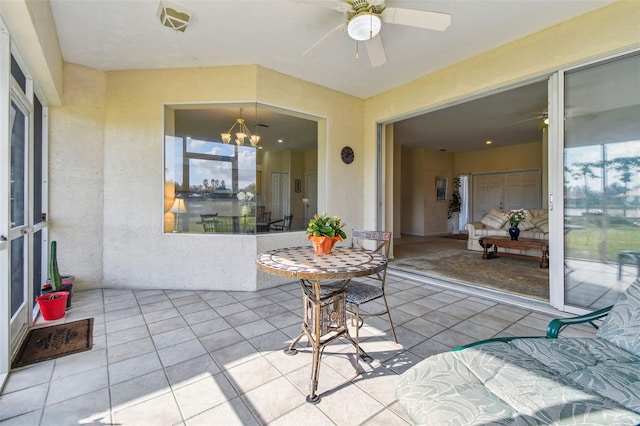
{"points": [[37, 264], [602, 182], [37, 161], [17, 274], [18, 169]]}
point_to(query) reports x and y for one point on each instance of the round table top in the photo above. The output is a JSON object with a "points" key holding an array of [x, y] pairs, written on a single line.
{"points": [[302, 263]]}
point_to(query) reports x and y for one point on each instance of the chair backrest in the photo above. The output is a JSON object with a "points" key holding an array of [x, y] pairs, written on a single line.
{"points": [[378, 241], [286, 225], [264, 217], [371, 240], [209, 222]]}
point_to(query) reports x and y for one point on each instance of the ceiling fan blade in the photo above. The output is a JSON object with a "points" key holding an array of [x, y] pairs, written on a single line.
{"points": [[338, 5], [417, 18], [375, 51], [330, 35]]}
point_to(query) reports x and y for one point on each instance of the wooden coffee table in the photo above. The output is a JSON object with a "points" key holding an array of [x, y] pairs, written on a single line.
{"points": [[519, 244]]}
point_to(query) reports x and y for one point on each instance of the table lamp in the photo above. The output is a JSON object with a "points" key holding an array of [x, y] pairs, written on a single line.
{"points": [[177, 208]]}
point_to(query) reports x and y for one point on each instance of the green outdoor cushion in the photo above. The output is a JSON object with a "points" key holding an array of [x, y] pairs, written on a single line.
{"points": [[622, 326]]}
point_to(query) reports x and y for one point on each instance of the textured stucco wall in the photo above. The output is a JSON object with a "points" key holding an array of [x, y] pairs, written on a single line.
{"points": [[136, 252], [76, 175]]}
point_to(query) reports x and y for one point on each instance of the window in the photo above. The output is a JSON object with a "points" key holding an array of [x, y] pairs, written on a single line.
{"points": [[216, 187]]}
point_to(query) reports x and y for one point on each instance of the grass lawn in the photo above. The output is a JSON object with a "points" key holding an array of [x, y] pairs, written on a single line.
{"points": [[603, 244]]}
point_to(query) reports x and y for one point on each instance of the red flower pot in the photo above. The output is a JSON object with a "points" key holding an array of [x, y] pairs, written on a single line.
{"points": [[53, 305], [323, 245]]}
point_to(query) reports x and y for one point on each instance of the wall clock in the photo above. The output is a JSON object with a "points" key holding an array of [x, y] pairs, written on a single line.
{"points": [[347, 155]]}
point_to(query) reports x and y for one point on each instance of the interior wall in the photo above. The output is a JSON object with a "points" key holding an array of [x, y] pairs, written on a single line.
{"points": [[491, 159], [421, 213]]}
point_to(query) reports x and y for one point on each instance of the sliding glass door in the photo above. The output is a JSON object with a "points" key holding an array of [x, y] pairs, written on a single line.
{"points": [[601, 181]]}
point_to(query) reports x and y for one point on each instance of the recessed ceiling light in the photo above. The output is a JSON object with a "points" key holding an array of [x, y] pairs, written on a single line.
{"points": [[280, 141], [488, 142]]}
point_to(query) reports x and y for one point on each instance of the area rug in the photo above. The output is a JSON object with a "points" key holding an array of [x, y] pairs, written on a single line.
{"points": [[55, 341], [522, 277]]}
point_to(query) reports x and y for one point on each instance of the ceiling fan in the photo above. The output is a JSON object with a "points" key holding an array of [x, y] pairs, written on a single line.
{"points": [[542, 116], [364, 20]]}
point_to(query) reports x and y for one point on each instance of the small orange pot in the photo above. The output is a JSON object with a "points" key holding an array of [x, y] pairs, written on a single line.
{"points": [[323, 245]]}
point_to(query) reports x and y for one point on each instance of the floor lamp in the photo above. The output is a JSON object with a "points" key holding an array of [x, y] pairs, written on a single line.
{"points": [[177, 208]]}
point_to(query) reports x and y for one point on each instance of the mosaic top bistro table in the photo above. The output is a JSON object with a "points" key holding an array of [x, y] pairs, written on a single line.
{"points": [[324, 280]]}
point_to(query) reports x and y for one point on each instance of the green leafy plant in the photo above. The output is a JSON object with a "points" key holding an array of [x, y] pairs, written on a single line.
{"points": [[54, 272], [515, 217], [326, 226], [456, 201]]}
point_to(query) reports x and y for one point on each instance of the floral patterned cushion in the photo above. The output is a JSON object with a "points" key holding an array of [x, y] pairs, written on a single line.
{"points": [[622, 326], [525, 381]]}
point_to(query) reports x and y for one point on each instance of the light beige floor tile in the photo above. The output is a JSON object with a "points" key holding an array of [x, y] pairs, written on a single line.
{"points": [[72, 386], [231, 413], [380, 384], [128, 312], [201, 316], [90, 408], [130, 350], [233, 355], [269, 342], [160, 315], [192, 299], [124, 324], [173, 337], [160, 305], [192, 370], [328, 380], [27, 419], [385, 418], [181, 352], [139, 389], [226, 310], [77, 363], [31, 375], [163, 326], [200, 396], [401, 362], [423, 327], [306, 414], [348, 405], [474, 330], [133, 367], [22, 401], [255, 328], [221, 339], [273, 399], [251, 374], [209, 327], [128, 335], [161, 410], [288, 363], [241, 318], [429, 347]]}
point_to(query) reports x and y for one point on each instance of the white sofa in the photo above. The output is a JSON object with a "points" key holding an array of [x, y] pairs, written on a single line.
{"points": [[495, 223]]}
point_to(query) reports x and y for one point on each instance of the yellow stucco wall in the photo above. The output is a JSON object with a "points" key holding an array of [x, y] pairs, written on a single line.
{"points": [[518, 157]]}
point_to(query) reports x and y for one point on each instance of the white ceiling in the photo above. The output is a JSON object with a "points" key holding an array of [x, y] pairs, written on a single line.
{"points": [[127, 34]]}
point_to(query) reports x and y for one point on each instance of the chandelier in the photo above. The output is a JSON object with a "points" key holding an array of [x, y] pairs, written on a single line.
{"points": [[242, 134]]}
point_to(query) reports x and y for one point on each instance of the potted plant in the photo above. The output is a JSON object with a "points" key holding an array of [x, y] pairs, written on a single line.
{"points": [[54, 302], [454, 206], [324, 231], [66, 281]]}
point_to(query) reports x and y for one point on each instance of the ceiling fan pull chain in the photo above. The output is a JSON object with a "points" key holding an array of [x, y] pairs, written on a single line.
{"points": [[357, 53], [370, 23]]}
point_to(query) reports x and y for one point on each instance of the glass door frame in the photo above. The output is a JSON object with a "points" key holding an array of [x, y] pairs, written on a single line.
{"points": [[556, 180]]}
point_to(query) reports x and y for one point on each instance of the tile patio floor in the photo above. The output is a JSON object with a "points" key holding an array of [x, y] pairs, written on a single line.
{"points": [[215, 358]]}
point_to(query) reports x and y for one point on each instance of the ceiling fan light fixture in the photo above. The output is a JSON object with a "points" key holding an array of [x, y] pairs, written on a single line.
{"points": [[364, 26]]}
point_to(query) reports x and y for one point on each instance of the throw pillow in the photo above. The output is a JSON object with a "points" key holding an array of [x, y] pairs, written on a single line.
{"points": [[494, 219], [541, 222], [622, 326], [526, 224]]}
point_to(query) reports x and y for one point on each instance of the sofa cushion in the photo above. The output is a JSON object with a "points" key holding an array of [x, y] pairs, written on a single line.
{"points": [[541, 222], [494, 219], [622, 326]]}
